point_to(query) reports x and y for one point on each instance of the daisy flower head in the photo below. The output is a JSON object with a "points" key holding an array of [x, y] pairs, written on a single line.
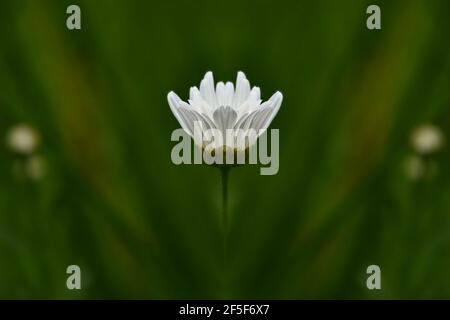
{"points": [[224, 116]]}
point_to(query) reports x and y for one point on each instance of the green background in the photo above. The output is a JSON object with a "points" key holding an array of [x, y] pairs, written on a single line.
{"points": [[113, 203]]}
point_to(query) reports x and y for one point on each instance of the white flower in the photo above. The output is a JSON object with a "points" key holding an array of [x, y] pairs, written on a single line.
{"points": [[23, 139], [234, 113], [427, 139]]}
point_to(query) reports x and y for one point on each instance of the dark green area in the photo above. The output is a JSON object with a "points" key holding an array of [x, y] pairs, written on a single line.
{"points": [[140, 227]]}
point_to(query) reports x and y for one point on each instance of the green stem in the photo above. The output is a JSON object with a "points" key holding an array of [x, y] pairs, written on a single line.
{"points": [[225, 221], [224, 170]]}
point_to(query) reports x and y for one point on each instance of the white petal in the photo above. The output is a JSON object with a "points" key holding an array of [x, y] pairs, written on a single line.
{"points": [[244, 123], [225, 94], [242, 127], [220, 93], [261, 118], [251, 103], [229, 93], [194, 96], [255, 96], [176, 104], [197, 102], [225, 118], [268, 111], [242, 90], [188, 118], [207, 90]]}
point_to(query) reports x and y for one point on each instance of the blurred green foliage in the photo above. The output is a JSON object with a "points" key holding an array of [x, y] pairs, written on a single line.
{"points": [[112, 202]]}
